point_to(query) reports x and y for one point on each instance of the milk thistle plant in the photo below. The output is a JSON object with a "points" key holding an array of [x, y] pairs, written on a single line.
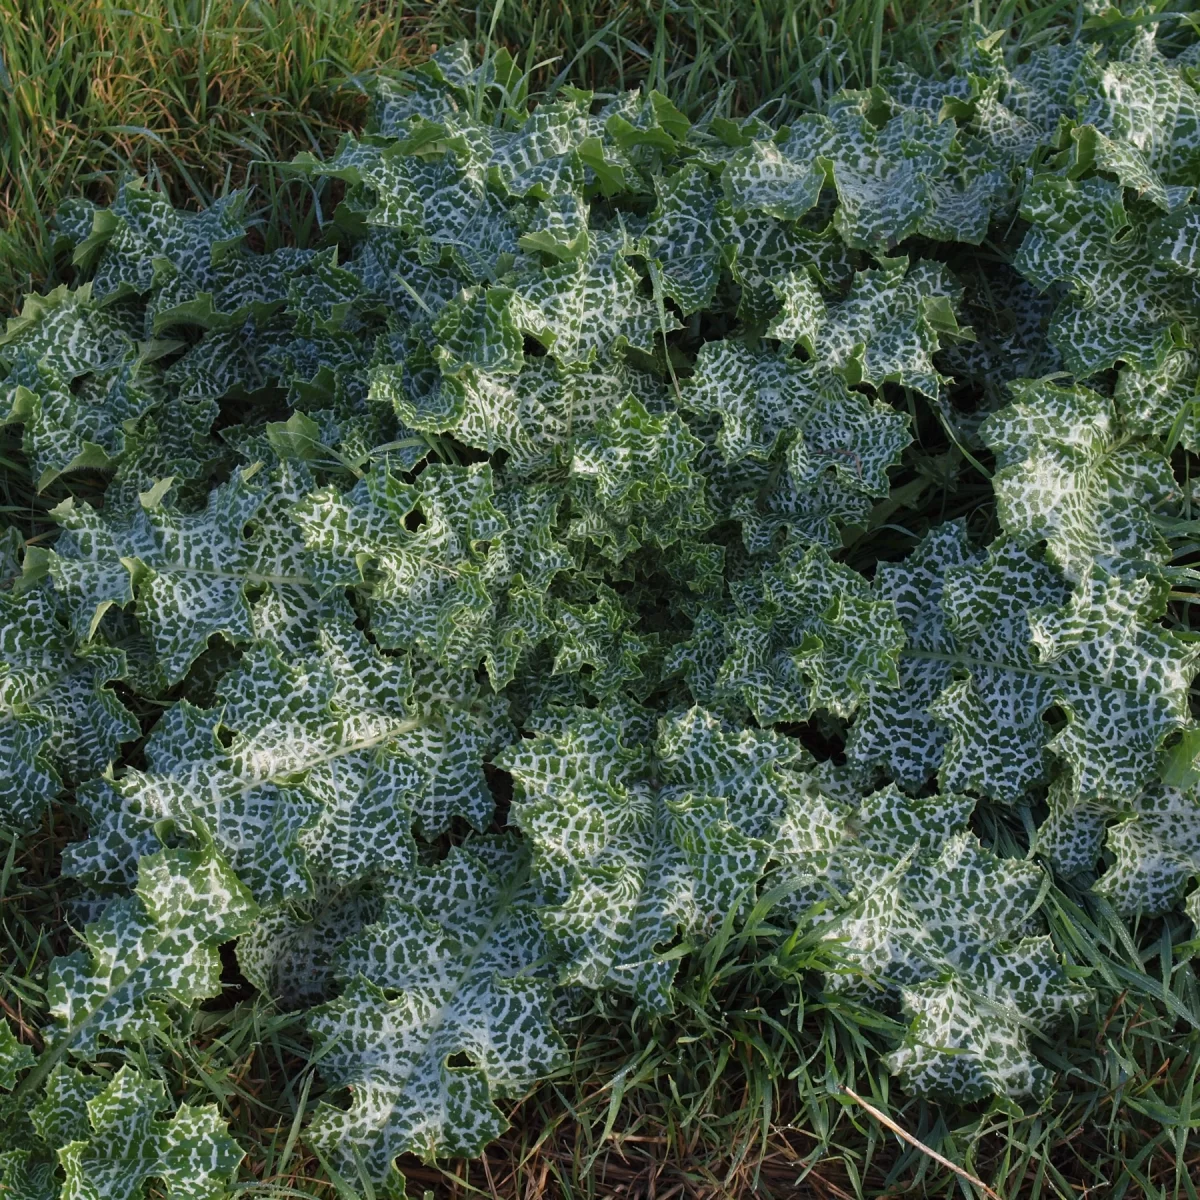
{"points": [[617, 526]]}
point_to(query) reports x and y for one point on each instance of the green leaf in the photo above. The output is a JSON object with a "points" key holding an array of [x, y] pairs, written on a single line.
{"points": [[927, 921], [192, 1154], [1156, 852], [1011, 644], [640, 843], [192, 573], [890, 325], [445, 1010], [1070, 476], [15, 1057], [894, 728], [688, 235]]}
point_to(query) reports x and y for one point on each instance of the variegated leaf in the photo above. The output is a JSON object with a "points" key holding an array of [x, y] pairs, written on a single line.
{"points": [[57, 717], [158, 944], [1069, 475], [1011, 643], [806, 635], [127, 1145], [445, 562], [639, 842], [1123, 303], [635, 482], [589, 307], [927, 921], [191, 573], [446, 1009]]}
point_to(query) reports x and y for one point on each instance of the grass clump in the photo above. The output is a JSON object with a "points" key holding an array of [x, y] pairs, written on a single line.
{"points": [[188, 93]]}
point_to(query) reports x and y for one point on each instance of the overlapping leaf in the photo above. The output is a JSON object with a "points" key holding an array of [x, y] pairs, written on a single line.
{"points": [[806, 634], [929, 921], [1070, 476], [15, 1057], [464, 481], [109, 1143], [639, 842], [1156, 852], [588, 307], [192, 573], [445, 1010], [895, 728], [890, 325], [191, 1154], [896, 173], [193, 265], [1125, 301], [446, 563], [57, 717], [1009, 643], [446, 210], [312, 769], [635, 482], [158, 944]]}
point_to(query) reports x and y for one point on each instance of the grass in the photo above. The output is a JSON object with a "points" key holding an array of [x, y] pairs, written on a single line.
{"points": [[188, 92], [742, 1093], [196, 93]]}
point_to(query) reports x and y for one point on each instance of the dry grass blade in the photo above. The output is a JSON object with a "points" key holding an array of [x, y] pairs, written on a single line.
{"points": [[903, 1133]]}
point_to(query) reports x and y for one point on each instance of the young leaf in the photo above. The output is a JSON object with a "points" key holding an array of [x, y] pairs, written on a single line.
{"points": [[807, 635], [192, 1153], [160, 944]]}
